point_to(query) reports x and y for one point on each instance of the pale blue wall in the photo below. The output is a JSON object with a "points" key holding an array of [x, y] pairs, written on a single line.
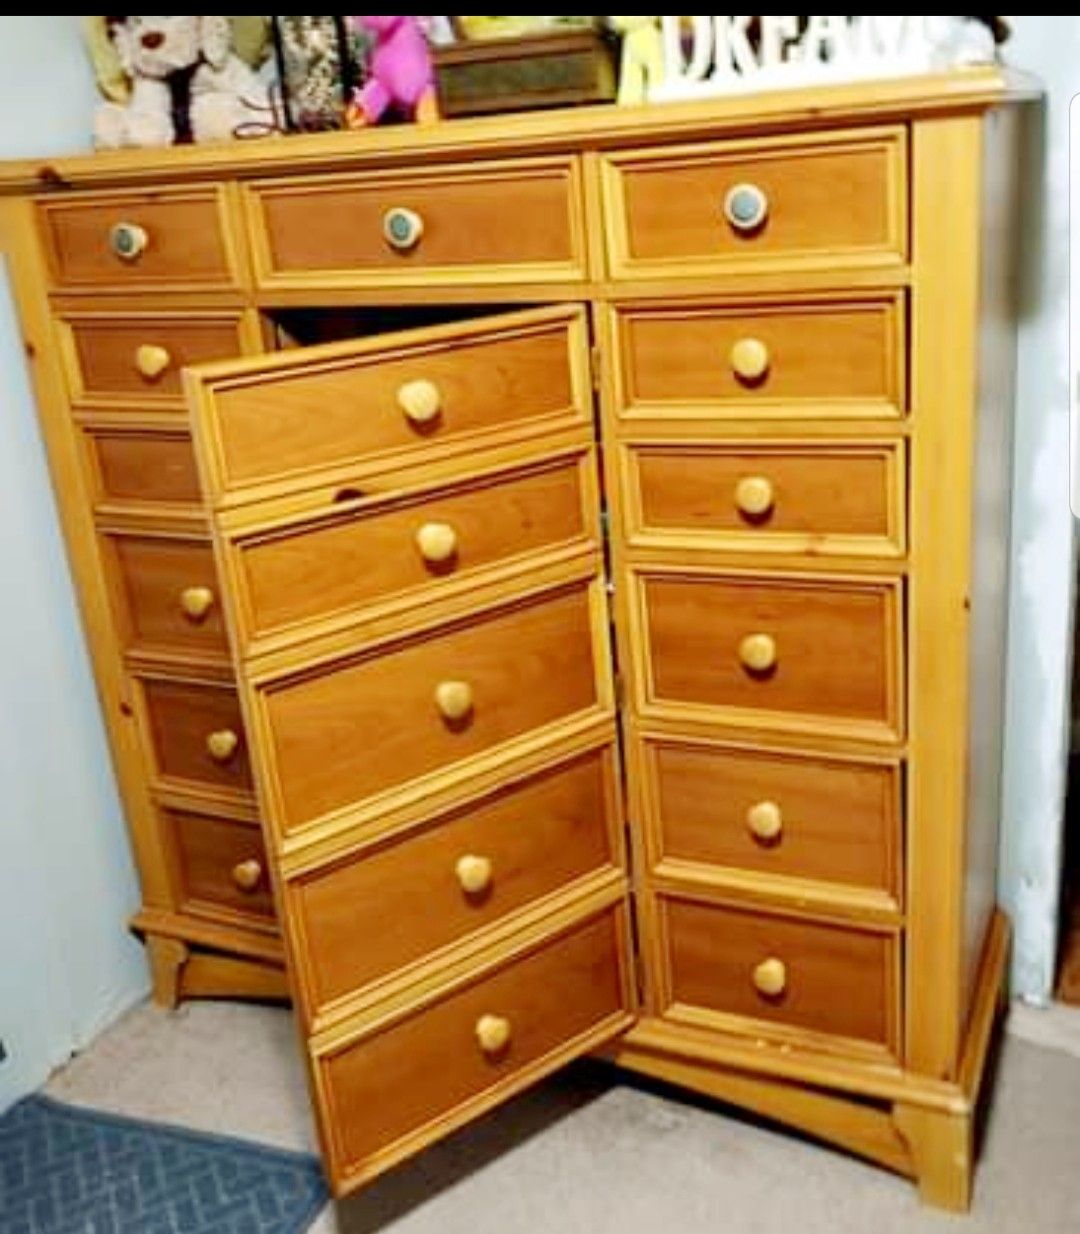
{"points": [[67, 964]]}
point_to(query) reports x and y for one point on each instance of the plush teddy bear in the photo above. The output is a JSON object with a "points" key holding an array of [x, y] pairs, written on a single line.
{"points": [[187, 84]]}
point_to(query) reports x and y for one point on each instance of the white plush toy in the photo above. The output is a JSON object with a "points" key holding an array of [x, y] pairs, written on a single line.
{"points": [[186, 84]]}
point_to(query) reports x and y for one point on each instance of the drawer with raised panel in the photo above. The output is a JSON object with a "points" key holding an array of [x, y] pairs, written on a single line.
{"points": [[220, 865], [804, 653], [394, 552], [825, 357], [345, 732], [732, 967], [116, 360], [165, 591], [139, 467], [196, 734], [408, 896], [834, 497], [165, 240], [497, 222], [835, 201]]}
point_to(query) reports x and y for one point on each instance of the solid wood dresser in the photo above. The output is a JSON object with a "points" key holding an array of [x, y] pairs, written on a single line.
{"points": [[608, 514]]}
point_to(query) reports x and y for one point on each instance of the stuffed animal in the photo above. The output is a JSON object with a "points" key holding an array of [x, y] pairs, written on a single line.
{"points": [[400, 75], [641, 68], [186, 84]]}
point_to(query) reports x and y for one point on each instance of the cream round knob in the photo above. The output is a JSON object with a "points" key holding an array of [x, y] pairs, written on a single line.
{"points": [[196, 602], [758, 652], [247, 875], [454, 699], [152, 360], [749, 359], [493, 1033], [222, 744], [754, 496], [746, 207], [473, 873], [437, 542], [402, 228], [764, 820], [128, 240], [770, 977], [420, 400]]}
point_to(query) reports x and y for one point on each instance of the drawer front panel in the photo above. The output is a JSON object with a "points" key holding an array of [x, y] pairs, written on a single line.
{"points": [[415, 894], [503, 222], [799, 974], [171, 239], [345, 734], [134, 468], [788, 815], [842, 499], [197, 735], [395, 1090], [221, 865], [140, 358], [826, 358], [415, 546], [824, 649], [167, 593], [834, 201]]}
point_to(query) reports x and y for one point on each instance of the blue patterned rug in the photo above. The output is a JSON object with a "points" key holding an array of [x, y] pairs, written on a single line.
{"points": [[71, 1171]]}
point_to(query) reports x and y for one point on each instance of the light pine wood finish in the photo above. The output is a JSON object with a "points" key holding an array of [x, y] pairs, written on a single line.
{"points": [[851, 341]]}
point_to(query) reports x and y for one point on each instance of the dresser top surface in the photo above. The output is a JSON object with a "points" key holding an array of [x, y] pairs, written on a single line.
{"points": [[538, 132]]}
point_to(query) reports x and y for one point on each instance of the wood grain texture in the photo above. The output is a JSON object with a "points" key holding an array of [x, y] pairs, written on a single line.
{"points": [[179, 717], [132, 468], [208, 849]]}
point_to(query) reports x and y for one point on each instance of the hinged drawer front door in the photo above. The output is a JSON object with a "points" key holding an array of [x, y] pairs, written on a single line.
{"points": [[421, 634]]}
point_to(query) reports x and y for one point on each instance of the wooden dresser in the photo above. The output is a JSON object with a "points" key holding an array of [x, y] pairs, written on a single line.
{"points": [[608, 511]]}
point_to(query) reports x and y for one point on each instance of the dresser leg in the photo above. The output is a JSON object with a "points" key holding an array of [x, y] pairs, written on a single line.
{"points": [[167, 959], [942, 1152]]}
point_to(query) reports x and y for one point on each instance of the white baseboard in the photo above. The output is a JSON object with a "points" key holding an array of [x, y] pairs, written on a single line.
{"points": [[1056, 1027]]}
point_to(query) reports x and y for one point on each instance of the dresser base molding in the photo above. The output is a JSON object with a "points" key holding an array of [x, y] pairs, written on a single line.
{"points": [[916, 1126]]}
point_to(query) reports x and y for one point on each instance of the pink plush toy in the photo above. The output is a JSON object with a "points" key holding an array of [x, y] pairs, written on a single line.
{"points": [[400, 76]]}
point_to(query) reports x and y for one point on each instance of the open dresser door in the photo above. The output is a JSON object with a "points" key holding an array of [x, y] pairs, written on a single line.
{"points": [[407, 530]]}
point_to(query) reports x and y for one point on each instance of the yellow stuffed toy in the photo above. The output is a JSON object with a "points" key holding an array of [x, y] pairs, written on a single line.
{"points": [[642, 67]]}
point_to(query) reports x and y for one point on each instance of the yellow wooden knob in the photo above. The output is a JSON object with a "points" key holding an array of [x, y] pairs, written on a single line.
{"points": [[754, 495], [473, 873], [247, 875], [420, 400], [437, 542], [196, 602], [152, 360], [765, 820], [222, 744], [454, 699], [770, 977], [749, 359], [128, 240], [402, 228], [493, 1033], [758, 652]]}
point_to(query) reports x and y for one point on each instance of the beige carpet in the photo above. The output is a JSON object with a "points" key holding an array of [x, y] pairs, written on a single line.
{"points": [[590, 1153]]}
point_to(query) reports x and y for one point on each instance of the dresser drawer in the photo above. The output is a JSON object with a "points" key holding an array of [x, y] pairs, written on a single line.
{"points": [[220, 865], [129, 241], [343, 412], [498, 222], [844, 498], [775, 813], [403, 1085], [798, 202], [112, 359], [806, 653], [410, 896], [356, 729], [825, 358], [166, 595], [398, 552], [137, 467], [786, 972], [197, 735]]}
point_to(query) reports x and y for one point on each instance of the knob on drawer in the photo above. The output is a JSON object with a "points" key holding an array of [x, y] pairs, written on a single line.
{"points": [[754, 496], [454, 699], [152, 360], [473, 873], [128, 240], [247, 875], [222, 744], [420, 400], [437, 542], [402, 228], [770, 977], [196, 602], [746, 207], [749, 359], [493, 1033], [758, 652], [765, 821]]}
